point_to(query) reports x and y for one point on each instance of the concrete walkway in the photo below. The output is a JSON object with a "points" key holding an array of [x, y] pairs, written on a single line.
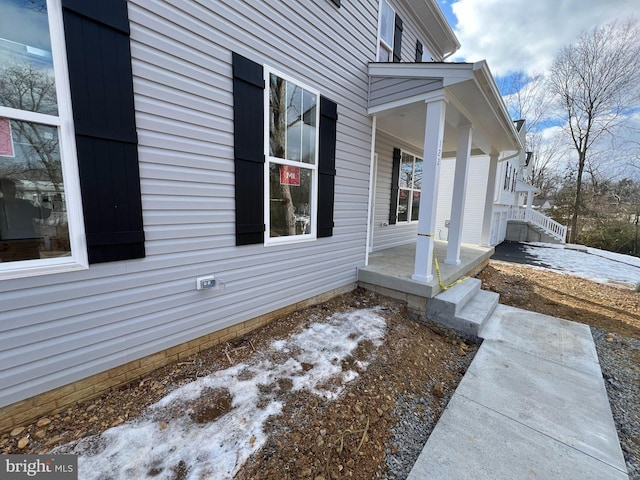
{"points": [[532, 405]]}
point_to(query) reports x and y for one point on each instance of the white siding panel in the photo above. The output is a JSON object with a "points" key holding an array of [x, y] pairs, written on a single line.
{"points": [[474, 200], [59, 328], [386, 236], [474, 204], [445, 196]]}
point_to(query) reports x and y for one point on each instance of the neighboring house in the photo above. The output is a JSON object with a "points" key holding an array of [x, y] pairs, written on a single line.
{"points": [[271, 145], [514, 217]]}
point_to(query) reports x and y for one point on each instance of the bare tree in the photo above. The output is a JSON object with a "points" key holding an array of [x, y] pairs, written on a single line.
{"points": [[528, 98], [25, 87], [546, 151], [597, 83]]}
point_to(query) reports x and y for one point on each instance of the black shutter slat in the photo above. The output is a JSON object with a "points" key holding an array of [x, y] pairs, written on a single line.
{"points": [[104, 120], [112, 13], [397, 40], [419, 51], [326, 166], [395, 187], [248, 118]]}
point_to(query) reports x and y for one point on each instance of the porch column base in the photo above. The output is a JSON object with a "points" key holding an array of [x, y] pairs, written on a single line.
{"points": [[452, 261], [422, 278]]}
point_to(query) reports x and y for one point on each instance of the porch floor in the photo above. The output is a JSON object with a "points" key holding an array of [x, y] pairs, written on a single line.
{"points": [[389, 271]]}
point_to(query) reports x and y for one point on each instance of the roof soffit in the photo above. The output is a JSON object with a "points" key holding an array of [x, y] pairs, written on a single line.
{"points": [[435, 26], [470, 88]]}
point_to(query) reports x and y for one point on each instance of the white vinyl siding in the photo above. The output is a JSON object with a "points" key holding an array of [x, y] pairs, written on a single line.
{"points": [[474, 200]]}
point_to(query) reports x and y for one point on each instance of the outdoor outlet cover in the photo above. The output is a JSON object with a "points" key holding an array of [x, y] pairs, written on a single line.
{"points": [[205, 282]]}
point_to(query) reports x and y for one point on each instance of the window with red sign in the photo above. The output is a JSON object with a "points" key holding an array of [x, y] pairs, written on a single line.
{"points": [[410, 185], [291, 164]]}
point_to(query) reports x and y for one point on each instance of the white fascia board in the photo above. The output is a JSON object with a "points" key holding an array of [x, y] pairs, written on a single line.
{"points": [[487, 85], [451, 73]]}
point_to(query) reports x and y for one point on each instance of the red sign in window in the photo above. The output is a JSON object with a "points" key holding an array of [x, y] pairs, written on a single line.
{"points": [[289, 175], [6, 142]]}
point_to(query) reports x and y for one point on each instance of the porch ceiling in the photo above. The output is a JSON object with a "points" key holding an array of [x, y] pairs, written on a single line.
{"points": [[399, 92]]}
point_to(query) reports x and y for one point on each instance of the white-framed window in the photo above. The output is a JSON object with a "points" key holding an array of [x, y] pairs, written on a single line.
{"points": [[386, 30], [41, 225], [291, 166], [410, 185]]}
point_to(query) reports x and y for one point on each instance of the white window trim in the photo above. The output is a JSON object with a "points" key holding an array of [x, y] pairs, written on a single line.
{"points": [[380, 40], [411, 190], [268, 240], [78, 260]]}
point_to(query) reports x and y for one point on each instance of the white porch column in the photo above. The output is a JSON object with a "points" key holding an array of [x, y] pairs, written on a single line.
{"points": [[487, 220], [529, 199], [463, 151], [433, 136]]}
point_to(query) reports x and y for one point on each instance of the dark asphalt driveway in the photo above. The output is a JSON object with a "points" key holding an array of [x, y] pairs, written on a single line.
{"points": [[515, 252]]}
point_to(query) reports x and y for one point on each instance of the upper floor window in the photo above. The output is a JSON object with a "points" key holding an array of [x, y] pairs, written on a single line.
{"points": [[292, 159], [34, 116], [386, 32], [410, 185]]}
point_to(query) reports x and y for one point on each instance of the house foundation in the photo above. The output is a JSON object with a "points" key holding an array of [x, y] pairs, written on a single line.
{"points": [[60, 399]]}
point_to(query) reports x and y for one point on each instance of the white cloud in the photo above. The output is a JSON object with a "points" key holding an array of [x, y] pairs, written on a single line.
{"points": [[515, 35]]}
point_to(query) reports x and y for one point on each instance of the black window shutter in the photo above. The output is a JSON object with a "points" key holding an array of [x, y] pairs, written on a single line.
{"points": [[419, 51], [99, 58], [248, 118], [326, 165], [337, 3], [397, 40], [395, 186]]}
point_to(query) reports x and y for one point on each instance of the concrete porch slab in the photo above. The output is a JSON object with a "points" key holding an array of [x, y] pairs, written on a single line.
{"points": [[390, 270]]}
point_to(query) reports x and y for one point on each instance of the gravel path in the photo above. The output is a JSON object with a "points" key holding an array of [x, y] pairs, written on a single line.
{"points": [[620, 362]]}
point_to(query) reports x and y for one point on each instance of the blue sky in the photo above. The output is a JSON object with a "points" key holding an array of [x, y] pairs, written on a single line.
{"points": [[525, 35], [445, 5]]}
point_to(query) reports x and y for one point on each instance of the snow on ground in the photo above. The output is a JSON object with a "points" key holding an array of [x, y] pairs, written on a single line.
{"points": [[167, 436], [590, 263]]}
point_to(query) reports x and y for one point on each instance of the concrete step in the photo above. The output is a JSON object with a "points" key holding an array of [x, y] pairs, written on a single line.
{"points": [[450, 302], [463, 307], [477, 311]]}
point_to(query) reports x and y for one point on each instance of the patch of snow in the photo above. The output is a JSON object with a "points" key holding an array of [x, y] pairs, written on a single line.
{"points": [[167, 436], [591, 263]]}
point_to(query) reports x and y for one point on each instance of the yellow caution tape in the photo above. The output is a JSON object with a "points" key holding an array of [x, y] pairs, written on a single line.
{"points": [[442, 286]]}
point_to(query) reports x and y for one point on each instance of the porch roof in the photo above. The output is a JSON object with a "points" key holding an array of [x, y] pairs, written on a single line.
{"points": [[398, 93], [526, 187]]}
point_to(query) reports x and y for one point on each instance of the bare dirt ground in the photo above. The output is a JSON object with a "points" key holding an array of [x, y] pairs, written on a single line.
{"points": [[377, 427], [408, 381]]}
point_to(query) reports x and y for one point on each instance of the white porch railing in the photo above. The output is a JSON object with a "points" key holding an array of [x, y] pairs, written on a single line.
{"points": [[529, 215]]}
